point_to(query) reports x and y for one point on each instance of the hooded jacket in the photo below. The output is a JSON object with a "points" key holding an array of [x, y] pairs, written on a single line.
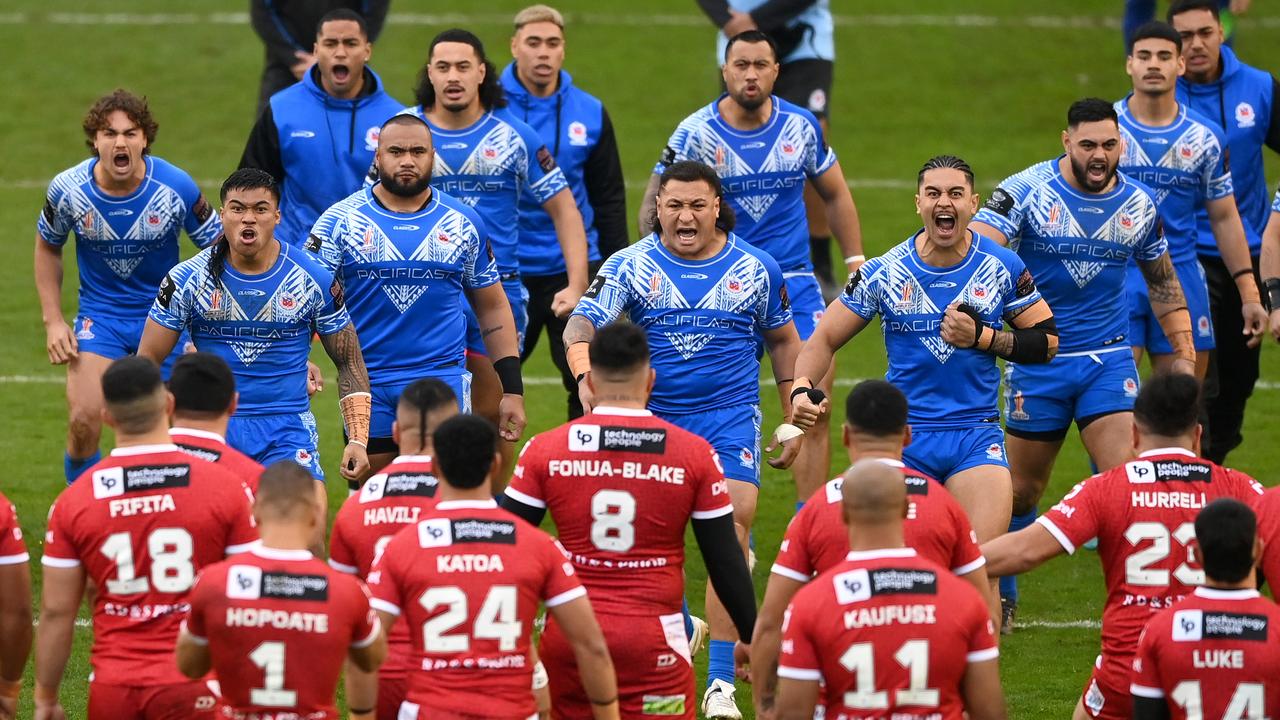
{"points": [[577, 131], [318, 147]]}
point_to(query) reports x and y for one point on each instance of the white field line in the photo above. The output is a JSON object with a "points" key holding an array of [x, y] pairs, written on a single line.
{"points": [[211, 183]]}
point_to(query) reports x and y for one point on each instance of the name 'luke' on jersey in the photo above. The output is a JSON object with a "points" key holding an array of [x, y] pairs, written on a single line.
{"points": [[946, 386], [403, 277], [763, 172], [703, 318]]}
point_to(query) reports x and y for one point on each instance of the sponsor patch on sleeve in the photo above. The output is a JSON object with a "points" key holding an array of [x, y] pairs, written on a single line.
{"points": [[1026, 284], [546, 160], [854, 280], [668, 155], [201, 209], [335, 289], [1000, 202], [167, 288], [593, 290]]}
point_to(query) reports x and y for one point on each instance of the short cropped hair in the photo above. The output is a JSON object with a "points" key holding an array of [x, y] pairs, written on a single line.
{"points": [[752, 36], [1156, 29], [464, 450], [127, 387], [132, 105], [876, 408], [202, 384], [938, 162], [286, 489], [340, 14], [1168, 405], [1177, 7], [619, 348], [248, 178], [537, 14], [1225, 531], [693, 171], [1091, 109]]}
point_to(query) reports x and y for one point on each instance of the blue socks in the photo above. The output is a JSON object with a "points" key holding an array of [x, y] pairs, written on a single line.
{"points": [[73, 468], [688, 619], [720, 662], [1009, 583]]}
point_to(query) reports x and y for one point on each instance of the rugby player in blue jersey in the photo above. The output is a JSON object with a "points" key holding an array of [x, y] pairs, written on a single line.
{"points": [[943, 297], [705, 299], [410, 259], [1076, 222], [256, 301], [1181, 155], [126, 208], [764, 149]]}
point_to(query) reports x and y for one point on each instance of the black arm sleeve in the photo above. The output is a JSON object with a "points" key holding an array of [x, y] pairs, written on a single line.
{"points": [[717, 10], [1031, 345], [607, 190], [262, 150], [1273, 129], [375, 16], [1150, 709], [775, 13], [528, 513], [727, 571]]}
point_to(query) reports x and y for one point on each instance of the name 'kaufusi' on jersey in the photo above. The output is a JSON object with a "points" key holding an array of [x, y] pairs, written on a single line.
{"points": [[703, 318], [403, 277], [125, 245], [260, 324], [1077, 246], [763, 171], [946, 386]]}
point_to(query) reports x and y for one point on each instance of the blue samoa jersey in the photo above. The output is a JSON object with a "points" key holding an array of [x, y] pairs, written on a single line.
{"points": [[763, 172], [488, 166], [125, 245], [703, 318], [403, 277], [260, 324], [1184, 164], [1077, 246], [946, 386]]}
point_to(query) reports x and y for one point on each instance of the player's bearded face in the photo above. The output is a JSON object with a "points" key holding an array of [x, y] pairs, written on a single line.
{"points": [[1154, 66], [249, 219], [687, 216], [1094, 149], [946, 202], [341, 53], [120, 145], [749, 73], [456, 73]]}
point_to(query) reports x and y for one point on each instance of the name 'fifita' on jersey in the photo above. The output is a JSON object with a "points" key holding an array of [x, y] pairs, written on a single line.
{"points": [[403, 277], [260, 324], [703, 318], [1077, 246], [1185, 165], [763, 172], [125, 245], [946, 386], [487, 166]]}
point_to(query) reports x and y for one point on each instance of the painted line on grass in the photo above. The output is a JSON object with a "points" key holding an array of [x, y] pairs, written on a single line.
{"points": [[209, 183]]}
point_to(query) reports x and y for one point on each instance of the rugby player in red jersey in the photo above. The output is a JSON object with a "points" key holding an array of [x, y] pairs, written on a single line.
{"points": [[204, 399], [621, 486], [468, 578], [275, 624], [1213, 655], [387, 502], [140, 524], [1143, 514], [15, 609], [887, 633], [936, 526]]}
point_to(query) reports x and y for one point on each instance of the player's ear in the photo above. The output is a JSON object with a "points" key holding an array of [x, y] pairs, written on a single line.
{"points": [[846, 436], [1195, 442], [235, 403], [1066, 140], [1193, 553], [107, 418], [168, 406], [395, 432], [648, 385], [906, 435], [917, 196], [1137, 436]]}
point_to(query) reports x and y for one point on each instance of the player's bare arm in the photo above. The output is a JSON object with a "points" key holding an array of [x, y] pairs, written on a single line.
{"points": [[15, 633], [578, 332], [1170, 308], [783, 344], [796, 699], [986, 230], [361, 687], [157, 342], [59, 601], [1228, 232], [498, 330], [343, 348], [1270, 267], [983, 696], [573, 245], [368, 658], [60, 341], [578, 623], [193, 656], [838, 326], [1021, 551], [648, 206], [1033, 337], [842, 214], [766, 640]]}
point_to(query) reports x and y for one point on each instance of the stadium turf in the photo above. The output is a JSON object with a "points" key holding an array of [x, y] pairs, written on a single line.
{"points": [[912, 80]]}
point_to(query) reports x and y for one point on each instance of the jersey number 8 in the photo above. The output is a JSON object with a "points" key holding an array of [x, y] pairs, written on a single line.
{"points": [[613, 515]]}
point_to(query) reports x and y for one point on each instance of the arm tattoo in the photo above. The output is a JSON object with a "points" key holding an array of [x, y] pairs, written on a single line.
{"points": [[578, 329], [489, 331], [1001, 343], [1162, 281], [343, 348]]}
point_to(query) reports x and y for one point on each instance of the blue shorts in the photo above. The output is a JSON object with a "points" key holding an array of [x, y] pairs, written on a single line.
{"points": [[1074, 387], [806, 301], [734, 433], [270, 438], [386, 397], [113, 338], [1144, 328], [945, 452]]}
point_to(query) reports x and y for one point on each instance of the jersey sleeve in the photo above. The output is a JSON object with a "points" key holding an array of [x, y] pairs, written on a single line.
{"points": [[1006, 207], [1145, 680], [60, 547], [609, 294], [562, 584], [819, 157], [1153, 243], [543, 178], [860, 293], [325, 238], [712, 495], [386, 577], [174, 305], [242, 533], [1073, 520], [364, 626], [329, 314], [342, 556], [774, 310], [798, 659], [794, 560], [981, 631], [199, 599], [966, 554], [55, 221], [1267, 509], [1022, 292], [1216, 180], [528, 477], [678, 145], [202, 222], [480, 268], [1248, 490], [12, 549]]}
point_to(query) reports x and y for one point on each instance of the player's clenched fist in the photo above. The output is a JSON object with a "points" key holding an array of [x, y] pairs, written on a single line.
{"points": [[511, 419], [807, 405], [960, 326], [60, 342]]}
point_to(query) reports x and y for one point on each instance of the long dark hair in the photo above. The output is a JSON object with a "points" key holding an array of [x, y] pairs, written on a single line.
{"points": [[691, 171], [243, 179], [491, 93]]}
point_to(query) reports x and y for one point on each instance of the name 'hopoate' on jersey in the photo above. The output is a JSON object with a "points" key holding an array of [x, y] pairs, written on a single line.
{"points": [[488, 166], [125, 245], [703, 318], [260, 324], [403, 277], [946, 386], [1184, 164], [763, 171], [1077, 246]]}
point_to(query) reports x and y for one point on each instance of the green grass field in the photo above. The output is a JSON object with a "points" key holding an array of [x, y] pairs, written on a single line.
{"points": [[913, 80]]}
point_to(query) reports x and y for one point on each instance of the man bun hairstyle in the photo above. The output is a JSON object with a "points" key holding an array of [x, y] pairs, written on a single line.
{"points": [[491, 92], [465, 445], [1168, 405]]}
